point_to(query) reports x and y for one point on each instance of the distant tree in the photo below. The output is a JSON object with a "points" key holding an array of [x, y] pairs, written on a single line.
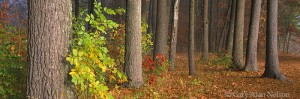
{"points": [[229, 44], [174, 35], [205, 36], [272, 69], [238, 35], [192, 70], [287, 21], [133, 47], [251, 56], [48, 43], [161, 35]]}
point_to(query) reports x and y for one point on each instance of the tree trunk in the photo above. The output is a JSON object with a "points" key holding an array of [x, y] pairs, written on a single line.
{"points": [[205, 35], [286, 37], [90, 11], [154, 23], [174, 35], [272, 63], [288, 42], [145, 10], [251, 56], [133, 47], [212, 30], [191, 52], [161, 35], [77, 12], [48, 43], [223, 32], [238, 35], [229, 44]]}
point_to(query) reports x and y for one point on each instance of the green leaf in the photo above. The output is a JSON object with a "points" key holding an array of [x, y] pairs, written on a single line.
{"points": [[87, 18], [101, 28], [80, 42], [75, 52], [82, 28], [92, 17]]}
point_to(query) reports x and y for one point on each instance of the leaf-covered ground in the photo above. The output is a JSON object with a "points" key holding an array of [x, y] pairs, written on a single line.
{"points": [[214, 81]]}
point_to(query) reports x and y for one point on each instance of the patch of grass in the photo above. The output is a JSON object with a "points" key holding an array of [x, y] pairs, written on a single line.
{"points": [[223, 60]]}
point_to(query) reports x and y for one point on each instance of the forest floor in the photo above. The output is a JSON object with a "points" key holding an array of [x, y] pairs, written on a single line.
{"points": [[213, 81]]}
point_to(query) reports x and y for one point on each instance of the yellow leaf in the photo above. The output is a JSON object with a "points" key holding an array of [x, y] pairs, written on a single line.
{"points": [[72, 73], [80, 53], [104, 68]]}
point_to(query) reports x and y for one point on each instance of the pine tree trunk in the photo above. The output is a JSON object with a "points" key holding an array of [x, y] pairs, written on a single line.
{"points": [[251, 56], [272, 63], [238, 35], [174, 35], [48, 43], [133, 47], [229, 44], [191, 52], [205, 35]]}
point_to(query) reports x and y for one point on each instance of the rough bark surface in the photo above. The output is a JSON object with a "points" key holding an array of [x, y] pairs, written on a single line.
{"points": [[191, 51], [205, 35], [238, 35], [229, 45], [161, 35], [251, 56], [272, 63], [48, 43], [174, 35], [133, 47]]}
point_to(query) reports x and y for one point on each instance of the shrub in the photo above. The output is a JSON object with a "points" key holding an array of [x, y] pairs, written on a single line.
{"points": [[154, 68], [12, 62], [93, 66]]}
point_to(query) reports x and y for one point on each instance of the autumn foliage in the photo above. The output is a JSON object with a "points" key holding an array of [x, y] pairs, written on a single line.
{"points": [[154, 68]]}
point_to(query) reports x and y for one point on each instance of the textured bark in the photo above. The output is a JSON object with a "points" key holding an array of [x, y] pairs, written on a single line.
{"points": [[238, 35], [251, 56], [205, 35], [48, 43], [161, 35], [191, 52], [133, 47], [229, 44], [272, 63], [174, 35]]}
